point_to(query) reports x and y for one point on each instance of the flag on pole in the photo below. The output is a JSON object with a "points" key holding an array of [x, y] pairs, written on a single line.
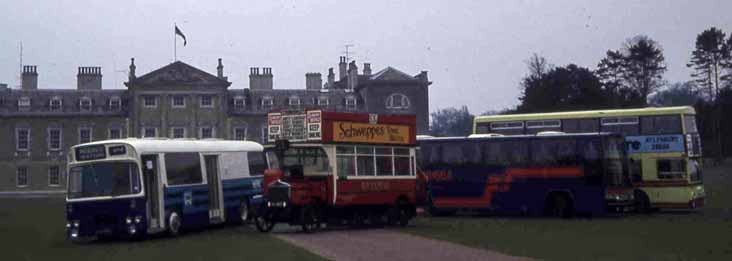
{"points": [[178, 32]]}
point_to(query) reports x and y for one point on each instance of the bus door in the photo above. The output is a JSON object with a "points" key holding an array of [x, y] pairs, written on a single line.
{"points": [[215, 197], [151, 175]]}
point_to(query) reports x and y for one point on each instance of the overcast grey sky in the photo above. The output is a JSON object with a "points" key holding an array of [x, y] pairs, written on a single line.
{"points": [[474, 50]]}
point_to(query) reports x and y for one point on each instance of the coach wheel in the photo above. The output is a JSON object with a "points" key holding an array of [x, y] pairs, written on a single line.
{"points": [[561, 206], [244, 211], [397, 215], [174, 224], [642, 203], [309, 219]]}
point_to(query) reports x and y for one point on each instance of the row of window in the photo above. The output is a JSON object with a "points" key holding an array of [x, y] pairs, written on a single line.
{"points": [[666, 124], [85, 103], [178, 101], [185, 168], [268, 102], [22, 178], [373, 161], [54, 137]]}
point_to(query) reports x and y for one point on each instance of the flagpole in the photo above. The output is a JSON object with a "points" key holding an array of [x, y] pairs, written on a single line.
{"points": [[175, 45]]}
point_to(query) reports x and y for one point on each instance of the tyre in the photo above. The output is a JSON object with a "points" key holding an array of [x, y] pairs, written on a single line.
{"points": [[642, 204], [174, 224], [397, 215], [561, 206], [309, 219], [265, 221], [244, 214]]}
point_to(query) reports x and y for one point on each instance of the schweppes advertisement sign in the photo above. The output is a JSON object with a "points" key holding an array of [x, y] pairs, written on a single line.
{"points": [[370, 133]]}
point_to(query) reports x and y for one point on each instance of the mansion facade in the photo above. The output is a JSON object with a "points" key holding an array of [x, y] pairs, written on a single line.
{"points": [[38, 126]]}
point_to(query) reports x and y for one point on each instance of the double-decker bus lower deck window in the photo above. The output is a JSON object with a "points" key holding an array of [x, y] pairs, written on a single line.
{"points": [[666, 124], [314, 160], [695, 171], [365, 161], [183, 168], [671, 168], [384, 162]]}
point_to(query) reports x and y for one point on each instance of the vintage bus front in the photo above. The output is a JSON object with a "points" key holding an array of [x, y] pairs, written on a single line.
{"points": [[105, 196]]}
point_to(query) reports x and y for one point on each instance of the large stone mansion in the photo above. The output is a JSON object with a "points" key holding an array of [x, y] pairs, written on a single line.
{"points": [[38, 126]]}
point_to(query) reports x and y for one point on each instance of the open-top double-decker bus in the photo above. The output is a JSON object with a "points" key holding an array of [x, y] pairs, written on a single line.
{"points": [[663, 144], [338, 168], [134, 187]]}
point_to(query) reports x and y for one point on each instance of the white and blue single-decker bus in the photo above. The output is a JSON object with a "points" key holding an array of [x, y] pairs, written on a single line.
{"points": [[136, 187]]}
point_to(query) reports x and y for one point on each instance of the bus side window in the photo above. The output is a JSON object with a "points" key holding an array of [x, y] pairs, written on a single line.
{"points": [[590, 152], [452, 154], [257, 163], [554, 152]]}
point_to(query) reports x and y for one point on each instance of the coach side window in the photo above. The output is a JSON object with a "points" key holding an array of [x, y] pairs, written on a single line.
{"points": [[183, 168], [591, 155], [554, 152], [453, 154], [504, 153]]}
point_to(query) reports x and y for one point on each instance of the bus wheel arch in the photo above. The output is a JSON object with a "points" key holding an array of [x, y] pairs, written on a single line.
{"points": [[559, 203], [641, 201]]}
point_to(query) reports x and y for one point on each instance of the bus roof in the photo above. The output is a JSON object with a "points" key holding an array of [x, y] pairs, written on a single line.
{"points": [[182, 145], [508, 137], [588, 114]]}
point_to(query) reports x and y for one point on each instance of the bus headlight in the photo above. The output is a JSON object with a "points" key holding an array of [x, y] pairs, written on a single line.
{"points": [[128, 220], [68, 225], [138, 219], [132, 230], [76, 223], [74, 233]]}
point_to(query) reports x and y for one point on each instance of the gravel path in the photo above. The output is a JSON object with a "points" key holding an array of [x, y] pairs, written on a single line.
{"points": [[380, 244]]}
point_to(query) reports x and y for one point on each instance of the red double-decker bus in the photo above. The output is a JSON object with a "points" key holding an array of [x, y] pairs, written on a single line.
{"points": [[339, 168]]}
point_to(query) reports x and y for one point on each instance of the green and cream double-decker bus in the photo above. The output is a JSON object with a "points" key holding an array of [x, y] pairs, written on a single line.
{"points": [[663, 144]]}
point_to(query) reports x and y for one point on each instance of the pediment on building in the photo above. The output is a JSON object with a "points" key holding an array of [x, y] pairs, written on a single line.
{"points": [[391, 74], [178, 73]]}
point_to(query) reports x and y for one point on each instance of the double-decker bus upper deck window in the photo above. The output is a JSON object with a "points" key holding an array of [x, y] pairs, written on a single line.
{"points": [[507, 127], [622, 125], [183, 168], [580, 125], [482, 128], [666, 124], [690, 123], [554, 152], [534, 127]]}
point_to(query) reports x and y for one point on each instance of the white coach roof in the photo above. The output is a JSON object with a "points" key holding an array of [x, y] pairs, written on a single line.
{"points": [[182, 145]]}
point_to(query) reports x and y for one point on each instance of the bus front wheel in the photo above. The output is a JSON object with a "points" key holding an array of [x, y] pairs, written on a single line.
{"points": [[642, 203], [174, 224], [560, 205]]}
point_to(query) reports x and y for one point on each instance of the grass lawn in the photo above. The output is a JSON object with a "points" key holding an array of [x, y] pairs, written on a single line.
{"points": [[33, 229], [704, 235]]}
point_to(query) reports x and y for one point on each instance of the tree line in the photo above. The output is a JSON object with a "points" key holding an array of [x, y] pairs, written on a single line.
{"points": [[630, 76]]}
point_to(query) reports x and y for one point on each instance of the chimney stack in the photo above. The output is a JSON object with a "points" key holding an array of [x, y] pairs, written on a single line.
{"points": [[29, 78], [342, 68], [220, 70], [259, 81], [89, 78], [331, 78], [367, 69], [131, 76], [313, 81], [352, 75]]}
